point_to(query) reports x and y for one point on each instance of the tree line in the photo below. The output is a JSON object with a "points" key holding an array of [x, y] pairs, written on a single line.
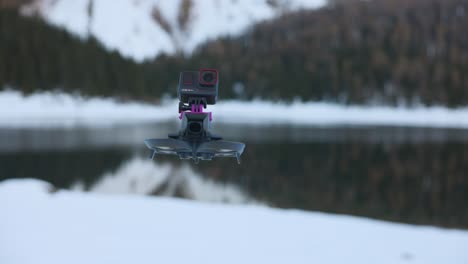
{"points": [[352, 52], [36, 56], [378, 51]]}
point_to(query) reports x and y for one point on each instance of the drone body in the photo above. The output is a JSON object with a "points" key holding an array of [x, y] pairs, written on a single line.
{"points": [[194, 140]]}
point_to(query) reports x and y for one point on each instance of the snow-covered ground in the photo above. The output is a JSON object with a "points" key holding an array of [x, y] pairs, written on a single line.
{"points": [[41, 225], [64, 110], [48, 109], [130, 27]]}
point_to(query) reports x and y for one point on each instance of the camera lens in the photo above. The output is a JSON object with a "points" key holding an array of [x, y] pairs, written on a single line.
{"points": [[208, 77], [195, 127]]}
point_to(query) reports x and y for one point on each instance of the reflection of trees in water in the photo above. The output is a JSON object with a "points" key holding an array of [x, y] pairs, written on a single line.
{"points": [[61, 168], [417, 183], [422, 183]]}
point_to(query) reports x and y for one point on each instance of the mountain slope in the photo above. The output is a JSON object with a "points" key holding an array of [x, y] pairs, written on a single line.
{"points": [[379, 52], [142, 29], [362, 52]]}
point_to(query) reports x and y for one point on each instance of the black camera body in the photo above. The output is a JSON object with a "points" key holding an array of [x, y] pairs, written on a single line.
{"points": [[195, 125], [198, 87]]}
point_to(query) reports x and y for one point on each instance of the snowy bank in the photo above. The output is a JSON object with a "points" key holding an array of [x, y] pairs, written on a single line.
{"points": [[332, 114], [63, 110], [47, 109], [39, 226]]}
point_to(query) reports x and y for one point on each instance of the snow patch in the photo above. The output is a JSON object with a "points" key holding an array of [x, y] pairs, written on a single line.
{"points": [[32, 187], [48, 109], [75, 227], [332, 114]]}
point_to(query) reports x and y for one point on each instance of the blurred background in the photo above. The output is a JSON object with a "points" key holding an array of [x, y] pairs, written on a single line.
{"points": [[67, 67]]}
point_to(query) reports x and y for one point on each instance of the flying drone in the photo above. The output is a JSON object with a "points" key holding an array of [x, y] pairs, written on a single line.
{"points": [[196, 90]]}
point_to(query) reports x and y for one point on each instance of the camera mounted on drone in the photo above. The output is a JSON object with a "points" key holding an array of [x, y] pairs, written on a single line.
{"points": [[197, 87], [196, 90]]}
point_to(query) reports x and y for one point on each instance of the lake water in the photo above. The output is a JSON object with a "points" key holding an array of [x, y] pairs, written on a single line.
{"points": [[412, 175]]}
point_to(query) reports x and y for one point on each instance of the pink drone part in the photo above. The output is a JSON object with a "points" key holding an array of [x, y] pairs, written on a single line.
{"points": [[181, 115], [197, 109]]}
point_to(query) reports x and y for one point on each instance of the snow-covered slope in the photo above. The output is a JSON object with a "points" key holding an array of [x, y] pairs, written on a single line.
{"points": [[141, 29], [40, 226]]}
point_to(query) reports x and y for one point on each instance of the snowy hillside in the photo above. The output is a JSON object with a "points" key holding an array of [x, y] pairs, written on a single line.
{"points": [[41, 225], [141, 29]]}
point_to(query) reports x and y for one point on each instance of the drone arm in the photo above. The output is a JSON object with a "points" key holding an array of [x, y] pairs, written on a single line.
{"points": [[152, 154]]}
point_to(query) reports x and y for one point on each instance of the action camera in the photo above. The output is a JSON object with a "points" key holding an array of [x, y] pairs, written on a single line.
{"points": [[201, 86]]}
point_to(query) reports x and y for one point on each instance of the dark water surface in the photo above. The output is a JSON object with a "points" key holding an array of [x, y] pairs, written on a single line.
{"points": [[413, 175]]}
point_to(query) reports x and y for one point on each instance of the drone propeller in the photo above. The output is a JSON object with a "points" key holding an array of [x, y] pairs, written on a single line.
{"points": [[204, 151]]}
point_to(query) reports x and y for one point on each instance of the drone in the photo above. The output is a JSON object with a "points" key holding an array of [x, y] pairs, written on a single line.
{"points": [[196, 90]]}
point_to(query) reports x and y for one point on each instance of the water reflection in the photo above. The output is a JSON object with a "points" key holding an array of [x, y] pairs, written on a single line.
{"points": [[415, 175], [418, 183], [62, 168], [131, 136]]}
